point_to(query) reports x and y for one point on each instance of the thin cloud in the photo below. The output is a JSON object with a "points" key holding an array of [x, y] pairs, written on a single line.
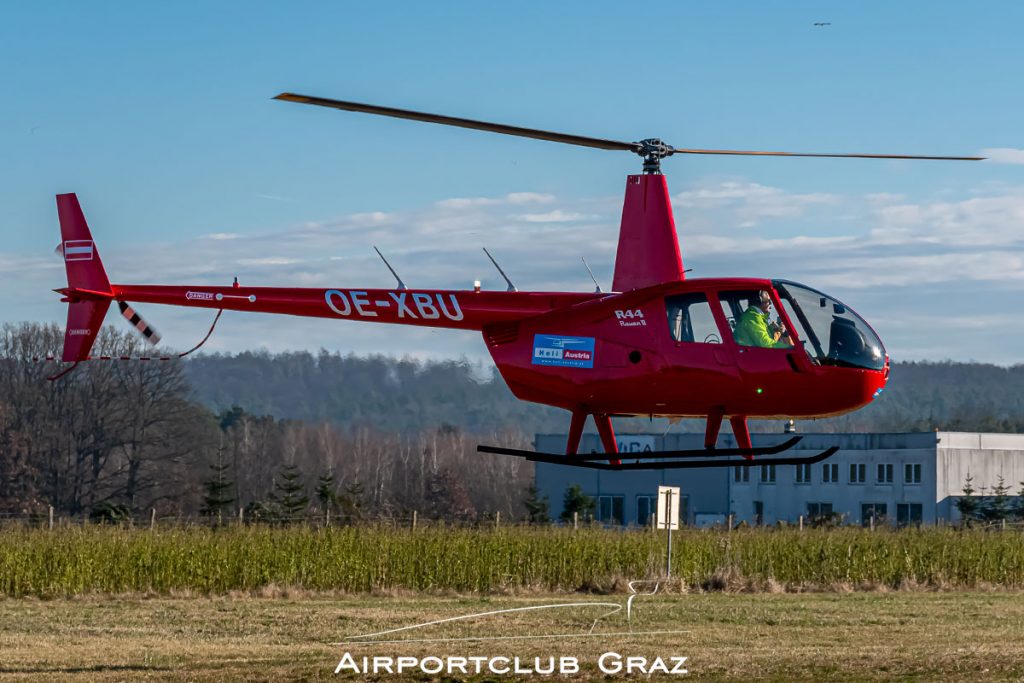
{"points": [[1003, 155], [268, 261], [556, 216], [513, 198], [749, 204]]}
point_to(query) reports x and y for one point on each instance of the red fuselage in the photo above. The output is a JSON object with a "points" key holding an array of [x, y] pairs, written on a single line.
{"points": [[635, 366]]}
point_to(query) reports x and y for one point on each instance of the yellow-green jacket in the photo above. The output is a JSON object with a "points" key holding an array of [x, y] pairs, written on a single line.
{"points": [[752, 330]]}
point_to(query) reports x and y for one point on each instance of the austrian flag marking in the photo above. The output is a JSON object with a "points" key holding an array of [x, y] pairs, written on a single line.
{"points": [[78, 250]]}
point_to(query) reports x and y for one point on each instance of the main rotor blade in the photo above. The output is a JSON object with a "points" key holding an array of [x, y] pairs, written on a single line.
{"points": [[838, 156], [461, 123]]}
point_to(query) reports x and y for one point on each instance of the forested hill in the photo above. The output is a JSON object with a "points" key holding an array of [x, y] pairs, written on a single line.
{"points": [[406, 395], [387, 393]]}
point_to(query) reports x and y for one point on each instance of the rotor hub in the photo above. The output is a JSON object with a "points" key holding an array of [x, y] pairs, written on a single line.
{"points": [[653, 151]]}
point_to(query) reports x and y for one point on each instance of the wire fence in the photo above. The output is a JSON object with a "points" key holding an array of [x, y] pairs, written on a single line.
{"points": [[412, 520]]}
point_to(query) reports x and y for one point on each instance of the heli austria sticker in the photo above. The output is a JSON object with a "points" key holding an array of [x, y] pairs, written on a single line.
{"points": [[572, 352]]}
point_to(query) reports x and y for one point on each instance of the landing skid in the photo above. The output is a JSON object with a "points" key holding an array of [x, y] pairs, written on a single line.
{"points": [[664, 460]]}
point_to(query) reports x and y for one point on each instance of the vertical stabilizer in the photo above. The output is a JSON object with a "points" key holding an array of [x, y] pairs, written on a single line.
{"points": [[88, 293], [648, 252]]}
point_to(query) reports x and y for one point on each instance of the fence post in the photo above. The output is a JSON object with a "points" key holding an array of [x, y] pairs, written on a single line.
{"points": [[575, 520], [327, 516], [51, 518], [872, 522], [801, 522], [729, 522], [241, 516], [1003, 523], [152, 518], [497, 519], [414, 520]]}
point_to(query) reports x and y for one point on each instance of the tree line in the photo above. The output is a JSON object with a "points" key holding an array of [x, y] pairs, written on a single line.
{"points": [[119, 437], [997, 504], [279, 436]]}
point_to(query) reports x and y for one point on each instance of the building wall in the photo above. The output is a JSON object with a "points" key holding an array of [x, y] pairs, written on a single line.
{"points": [[945, 459], [706, 490], [985, 457], [786, 500]]}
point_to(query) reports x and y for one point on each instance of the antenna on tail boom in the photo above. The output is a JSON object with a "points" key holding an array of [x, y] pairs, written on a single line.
{"points": [[401, 285], [597, 286], [511, 287]]}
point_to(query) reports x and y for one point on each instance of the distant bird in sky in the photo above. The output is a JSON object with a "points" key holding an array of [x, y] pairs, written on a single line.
{"points": [[823, 23]]}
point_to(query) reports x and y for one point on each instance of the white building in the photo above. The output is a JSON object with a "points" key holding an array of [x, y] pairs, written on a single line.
{"points": [[898, 478]]}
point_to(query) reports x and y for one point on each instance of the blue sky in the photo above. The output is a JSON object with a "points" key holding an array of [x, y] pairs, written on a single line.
{"points": [[159, 116]]}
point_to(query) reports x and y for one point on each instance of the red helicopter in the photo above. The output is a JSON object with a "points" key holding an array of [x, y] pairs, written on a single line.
{"points": [[659, 345]]}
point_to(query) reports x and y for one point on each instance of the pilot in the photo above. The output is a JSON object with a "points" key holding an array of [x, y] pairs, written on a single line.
{"points": [[754, 328]]}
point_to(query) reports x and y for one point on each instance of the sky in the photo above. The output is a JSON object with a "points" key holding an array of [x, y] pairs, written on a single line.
{"points": [[160, 117]]}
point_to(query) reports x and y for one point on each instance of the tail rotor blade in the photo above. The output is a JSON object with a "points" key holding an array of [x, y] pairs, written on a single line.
{"points": [[151, 336]]}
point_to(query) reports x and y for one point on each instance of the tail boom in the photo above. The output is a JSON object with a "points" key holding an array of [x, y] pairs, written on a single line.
{"points": [[453, 309]]}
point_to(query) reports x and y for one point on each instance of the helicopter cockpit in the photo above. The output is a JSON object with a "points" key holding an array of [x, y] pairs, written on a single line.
{"points": [[831, 333]]}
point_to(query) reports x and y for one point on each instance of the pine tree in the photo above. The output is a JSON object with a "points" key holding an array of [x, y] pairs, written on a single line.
{"points": [[448, 498], [967, 504], [290, 493], [218, 489], [536, 507], [997, 507], [351, 502], [577, 501], [326, 493], [1018, 508]]}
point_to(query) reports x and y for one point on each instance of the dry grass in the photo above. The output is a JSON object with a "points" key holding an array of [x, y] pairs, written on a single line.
{"points": [[922, 636]]}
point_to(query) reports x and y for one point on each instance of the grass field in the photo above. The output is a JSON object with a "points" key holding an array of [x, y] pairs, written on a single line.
{"points": [[80, 561], [924, 636]]}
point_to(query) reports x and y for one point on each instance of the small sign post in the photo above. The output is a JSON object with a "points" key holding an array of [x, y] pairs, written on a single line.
{"points": [[668, 517]]}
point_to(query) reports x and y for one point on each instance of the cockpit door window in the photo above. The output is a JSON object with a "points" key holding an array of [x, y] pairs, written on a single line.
{"points": [[690, 319]]}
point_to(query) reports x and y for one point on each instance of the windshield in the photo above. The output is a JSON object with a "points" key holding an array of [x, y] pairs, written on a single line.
{"points": [[832, 334]]}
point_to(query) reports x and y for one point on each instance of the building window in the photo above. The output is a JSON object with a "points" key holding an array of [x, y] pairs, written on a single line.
{"points": [[767, 474], [884, 473], [830, 473], [610, 509], [858, 473], [742, 474], [758, 512], [819, 510], [803, 474], [912, 473], [646, 509], [908, 513], [876, 510]]}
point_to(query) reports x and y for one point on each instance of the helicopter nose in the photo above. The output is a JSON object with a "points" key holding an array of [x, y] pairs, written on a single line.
{"points": [[875, 381]]}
